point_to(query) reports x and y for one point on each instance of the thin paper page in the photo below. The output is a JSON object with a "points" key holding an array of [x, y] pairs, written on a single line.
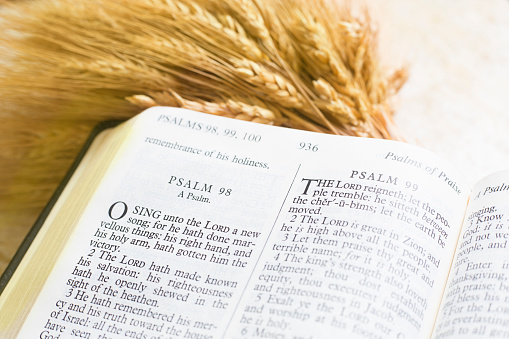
{"points": [[207, 227], [477, 295], [360, 249]]}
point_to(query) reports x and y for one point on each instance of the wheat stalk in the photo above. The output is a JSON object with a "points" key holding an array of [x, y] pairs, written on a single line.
{"points": [[230, 108], [277, 88], [247, 12], [316, 49]]}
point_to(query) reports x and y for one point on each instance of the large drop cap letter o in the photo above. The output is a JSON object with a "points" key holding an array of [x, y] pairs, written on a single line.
{"points": [[120, 210]]}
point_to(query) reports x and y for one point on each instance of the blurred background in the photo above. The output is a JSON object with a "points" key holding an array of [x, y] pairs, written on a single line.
{"points": [[455, 102]]}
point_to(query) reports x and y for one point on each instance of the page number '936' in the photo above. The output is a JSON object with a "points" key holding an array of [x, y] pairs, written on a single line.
{"points": [[306, 146]]}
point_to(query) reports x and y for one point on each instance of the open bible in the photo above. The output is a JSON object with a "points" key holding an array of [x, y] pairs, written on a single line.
{"points": [[177, 224]]}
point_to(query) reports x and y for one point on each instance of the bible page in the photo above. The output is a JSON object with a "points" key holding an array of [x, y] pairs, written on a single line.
{"points": [[206, 227], [475, 303]]}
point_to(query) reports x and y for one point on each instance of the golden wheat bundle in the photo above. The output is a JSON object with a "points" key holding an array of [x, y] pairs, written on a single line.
{"points": [[298, 63]]}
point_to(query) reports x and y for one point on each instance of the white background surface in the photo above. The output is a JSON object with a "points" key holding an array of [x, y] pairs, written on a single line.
{"points": [[455, 102]]}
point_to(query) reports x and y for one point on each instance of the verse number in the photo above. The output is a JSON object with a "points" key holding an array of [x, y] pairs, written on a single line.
{"points": [[412, 186], [306, 146]]}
